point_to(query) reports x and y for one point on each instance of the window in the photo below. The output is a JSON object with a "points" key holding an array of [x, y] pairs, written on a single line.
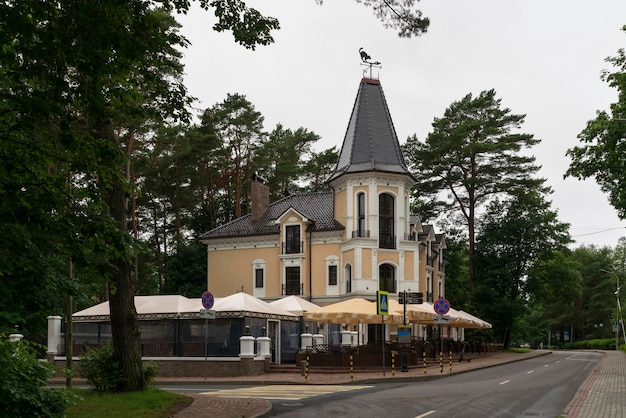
{"points": [[292, 239], [332, 275], [348, 277], [386, 278], [386, 220], [258, 278], [361, 214], [292, 281]]}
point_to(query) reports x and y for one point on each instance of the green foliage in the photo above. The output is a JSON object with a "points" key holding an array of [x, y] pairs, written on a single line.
{"points": [[148, 403], [602, 149], [186, 269], [602, 344], [103, 373], [99, 368], [516, 237], [23, 380]]}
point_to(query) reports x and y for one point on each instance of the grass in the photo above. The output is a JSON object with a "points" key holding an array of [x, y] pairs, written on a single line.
{"points": [[518, 350], [150, 403]]}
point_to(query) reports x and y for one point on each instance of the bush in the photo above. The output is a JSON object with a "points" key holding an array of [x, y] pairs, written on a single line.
{"points": [[102, 373], [99, 368], [23, 381]]}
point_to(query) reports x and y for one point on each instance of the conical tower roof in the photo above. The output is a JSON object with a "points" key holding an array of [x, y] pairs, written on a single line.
{"points": [[371, 143]]}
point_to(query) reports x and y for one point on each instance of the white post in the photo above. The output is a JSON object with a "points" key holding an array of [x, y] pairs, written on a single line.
{"points": [[246, 346], [306, 340], [54, 335], [263, 344]]}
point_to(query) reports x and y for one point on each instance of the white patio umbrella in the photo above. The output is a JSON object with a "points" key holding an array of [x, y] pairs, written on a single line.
{"points": [[294, 304]]}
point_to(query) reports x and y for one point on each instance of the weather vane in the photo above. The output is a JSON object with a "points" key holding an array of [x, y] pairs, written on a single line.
{"points": [[366, 62]]}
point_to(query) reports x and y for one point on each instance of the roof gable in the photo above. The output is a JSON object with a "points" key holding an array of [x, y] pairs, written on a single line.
{"points": [[318, 207]]}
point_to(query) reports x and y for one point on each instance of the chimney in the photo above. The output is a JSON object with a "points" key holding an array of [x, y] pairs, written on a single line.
{"points": [[260, 197]]}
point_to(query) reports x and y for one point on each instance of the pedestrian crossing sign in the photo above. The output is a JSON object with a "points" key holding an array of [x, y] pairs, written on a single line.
{"points": [[382, 302]]}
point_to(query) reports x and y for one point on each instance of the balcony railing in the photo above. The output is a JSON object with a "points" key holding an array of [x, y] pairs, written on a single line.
{"points": [[292, 247], [295, 289], [361, 234], [387, 241], [410, 237]]}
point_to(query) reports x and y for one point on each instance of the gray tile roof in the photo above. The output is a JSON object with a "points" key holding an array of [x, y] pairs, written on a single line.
{"points": [[317, 206], [371, 143]]}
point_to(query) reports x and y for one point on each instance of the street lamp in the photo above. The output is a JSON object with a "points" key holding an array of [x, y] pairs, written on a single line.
{"points": [[619, 309]]}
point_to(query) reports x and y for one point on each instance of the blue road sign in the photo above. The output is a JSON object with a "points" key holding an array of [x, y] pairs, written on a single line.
{"points": [[382, 302], [441, 306], [208, 300]]}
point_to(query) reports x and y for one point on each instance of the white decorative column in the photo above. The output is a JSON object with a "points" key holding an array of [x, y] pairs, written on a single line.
{"points": [[15, 337]]}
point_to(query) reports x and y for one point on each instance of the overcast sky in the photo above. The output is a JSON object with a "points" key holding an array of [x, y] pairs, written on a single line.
{"points": [[543, 58]]}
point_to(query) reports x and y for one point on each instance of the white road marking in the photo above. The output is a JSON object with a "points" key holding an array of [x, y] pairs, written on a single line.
{"points": [[530, 371], [506, 381], [284, 392], [425, 414]]}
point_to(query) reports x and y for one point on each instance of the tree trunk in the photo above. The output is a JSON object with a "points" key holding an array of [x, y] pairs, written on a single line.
{"points": [[124, 322]]}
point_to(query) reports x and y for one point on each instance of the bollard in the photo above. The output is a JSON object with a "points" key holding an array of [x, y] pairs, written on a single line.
{"points": [[306, 373], [424, 362], [351, 368], [450, 361], [393, 364], [441, 362]]}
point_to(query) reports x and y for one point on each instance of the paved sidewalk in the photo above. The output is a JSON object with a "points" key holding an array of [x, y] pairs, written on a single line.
{"points": [[603, 394]]}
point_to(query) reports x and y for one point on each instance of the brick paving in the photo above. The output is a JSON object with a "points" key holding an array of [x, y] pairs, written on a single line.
{"points": [[603, 395]]}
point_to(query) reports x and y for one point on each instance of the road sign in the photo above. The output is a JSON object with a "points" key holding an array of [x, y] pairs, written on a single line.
{"points": [[208, 300], [441, 306], [207, 314], [382, 302], [441, 319], [410, 297]]}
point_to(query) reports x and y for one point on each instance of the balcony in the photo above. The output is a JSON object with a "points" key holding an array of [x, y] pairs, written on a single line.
{"points": [[410, 237], [292, 289], [361, 234], [294, 247], [387, 241]]}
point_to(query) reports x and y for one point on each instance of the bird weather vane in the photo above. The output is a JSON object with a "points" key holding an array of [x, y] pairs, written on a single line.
{"points": [[366, 61]]}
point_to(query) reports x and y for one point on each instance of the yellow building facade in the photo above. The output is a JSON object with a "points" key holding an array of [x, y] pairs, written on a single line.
{"points": [[357, 237]]}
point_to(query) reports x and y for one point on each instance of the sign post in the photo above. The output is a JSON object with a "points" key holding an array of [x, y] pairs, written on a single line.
{"points": [[441, 307], [382, 308], [207, 301]]}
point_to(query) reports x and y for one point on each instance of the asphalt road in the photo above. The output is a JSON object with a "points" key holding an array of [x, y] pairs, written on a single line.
{"points": [[538, 387]]}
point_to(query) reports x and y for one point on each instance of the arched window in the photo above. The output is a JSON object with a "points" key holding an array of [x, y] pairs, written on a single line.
{"points": [[387, 278], [361, 214], [348, 277], [386, 237]]}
